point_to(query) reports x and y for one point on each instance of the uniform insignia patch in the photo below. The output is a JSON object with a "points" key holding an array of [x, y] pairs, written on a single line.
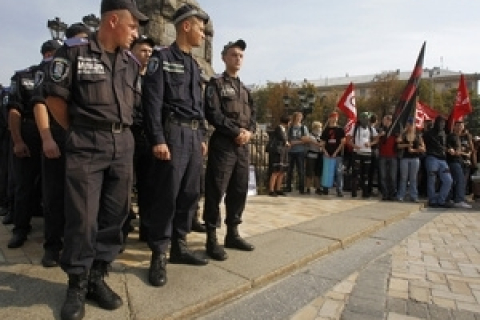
{"points": [[59, 69], [39, 77], [86, 65], [153, 64], [5, 100]]}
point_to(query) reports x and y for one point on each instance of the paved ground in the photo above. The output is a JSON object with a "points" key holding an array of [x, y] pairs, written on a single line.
{"points": [[289, 233], [432, 274]]}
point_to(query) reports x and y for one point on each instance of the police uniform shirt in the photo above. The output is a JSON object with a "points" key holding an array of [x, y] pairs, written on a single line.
{"points": [[172, 87], [21, 91], [82, 74], [229, 105], [39, 73]]}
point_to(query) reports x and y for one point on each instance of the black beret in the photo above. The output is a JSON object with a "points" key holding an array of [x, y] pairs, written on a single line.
{"points": [[76, 29], [130, 5], [51, 45], [186, 11], [239, 43]]}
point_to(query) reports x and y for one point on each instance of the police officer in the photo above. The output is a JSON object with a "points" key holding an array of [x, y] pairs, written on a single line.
{"points": [[91, 88], [26, 147], [4, 151], [174, 115], [7, 162], [229, 108], [142, 159], [53, 161]]}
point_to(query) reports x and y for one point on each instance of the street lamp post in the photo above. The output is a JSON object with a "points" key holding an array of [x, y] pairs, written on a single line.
{"points": [[431, 72], [92, 22], [307, 102], [57, 28]]}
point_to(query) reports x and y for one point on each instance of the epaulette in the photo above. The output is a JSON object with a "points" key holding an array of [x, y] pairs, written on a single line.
{"points": [[73, 42], [131, 55], [160, 48]]}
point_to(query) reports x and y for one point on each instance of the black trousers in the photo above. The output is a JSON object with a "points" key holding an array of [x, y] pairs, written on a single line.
{"points": [[27, 179], [227, 174], [53, 180], [98, 184], [5, 150], [176, 188], [142, 162], [361, 168]]}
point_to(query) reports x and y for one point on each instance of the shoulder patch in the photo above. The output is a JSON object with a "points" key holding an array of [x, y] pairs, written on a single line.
{"points": [[39, 77], [73, 42], [160, 48], [59, 69], [153, 65]]}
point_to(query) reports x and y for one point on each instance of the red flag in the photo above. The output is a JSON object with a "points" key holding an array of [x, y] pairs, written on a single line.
{"points": [[347, 103], [406, 104], [462, 105], [424, 112]]}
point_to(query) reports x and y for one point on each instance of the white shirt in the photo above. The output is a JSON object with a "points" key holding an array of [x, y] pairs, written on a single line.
{"points": [[362, 138]]}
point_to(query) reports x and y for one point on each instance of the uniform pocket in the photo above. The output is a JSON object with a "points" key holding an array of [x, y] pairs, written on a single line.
{"points": [[96, 89]]}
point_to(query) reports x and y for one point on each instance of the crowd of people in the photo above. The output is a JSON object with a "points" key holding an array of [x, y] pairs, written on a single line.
{"points": [[436, 162], [105, 111]]}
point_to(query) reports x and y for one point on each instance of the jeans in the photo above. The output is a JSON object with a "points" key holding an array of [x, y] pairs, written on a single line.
{"points": [[458, 181], [408, 172], [388, 176], [338, 173], [438, 167], [296, 159]]}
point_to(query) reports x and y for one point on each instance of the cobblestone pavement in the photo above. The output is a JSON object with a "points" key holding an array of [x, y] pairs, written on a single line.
{"points": [[262, 214], [432, 274]]}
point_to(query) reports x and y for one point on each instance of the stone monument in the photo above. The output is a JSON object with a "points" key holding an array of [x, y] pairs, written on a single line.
{"points": [[162, 30]]}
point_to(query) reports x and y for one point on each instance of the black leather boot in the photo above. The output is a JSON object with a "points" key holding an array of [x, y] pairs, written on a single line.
{"points": [[157, 274], [179, 253], [197, 226], [234, 241], [74, 306], [8, 218], [214, 250], [98, 290]]}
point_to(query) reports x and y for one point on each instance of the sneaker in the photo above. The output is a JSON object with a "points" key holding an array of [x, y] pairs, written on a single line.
{"points": [[318, 191], [446, 205], [400, 199], [272, 194], [281, 193], [340, 194], [462, 205]]}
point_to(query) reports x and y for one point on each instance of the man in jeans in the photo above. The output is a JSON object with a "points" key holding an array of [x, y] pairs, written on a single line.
{"points": [[436, 142], [388, 160], [455, 162], [298, 137]]}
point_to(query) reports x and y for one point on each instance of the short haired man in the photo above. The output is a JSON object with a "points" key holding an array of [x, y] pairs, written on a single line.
{"points": [[92, 87], [229, 108], [142, 49], [175, 124], [26, 145]]}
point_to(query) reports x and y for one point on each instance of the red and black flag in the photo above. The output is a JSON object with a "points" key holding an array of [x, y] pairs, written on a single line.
{"points": [[406, 105], [462, 105]]}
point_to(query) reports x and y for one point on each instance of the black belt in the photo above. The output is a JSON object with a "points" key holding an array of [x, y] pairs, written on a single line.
{"points": [[114, 127], [192, 124]]}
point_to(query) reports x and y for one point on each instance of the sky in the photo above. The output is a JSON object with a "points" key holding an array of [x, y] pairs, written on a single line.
{"points": [[290, 40]]}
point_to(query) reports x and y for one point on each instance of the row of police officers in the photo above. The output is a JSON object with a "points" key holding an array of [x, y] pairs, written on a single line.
{"points": [[93, 112]]}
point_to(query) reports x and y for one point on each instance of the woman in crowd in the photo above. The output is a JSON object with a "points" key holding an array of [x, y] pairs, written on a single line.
{"points": [[410, 146], [313, 159], [278, 157]]}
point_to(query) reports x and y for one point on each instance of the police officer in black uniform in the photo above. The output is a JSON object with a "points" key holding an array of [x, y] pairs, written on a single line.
{"points": [[4, 151], [53, 161], [7, 162], [92, 87], [26, 147], [142, 159], [174, 118], [229, 108]]}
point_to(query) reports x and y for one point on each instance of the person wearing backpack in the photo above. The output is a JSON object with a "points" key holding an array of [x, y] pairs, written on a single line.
{"points": [[298, 137], [361, 138]]}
